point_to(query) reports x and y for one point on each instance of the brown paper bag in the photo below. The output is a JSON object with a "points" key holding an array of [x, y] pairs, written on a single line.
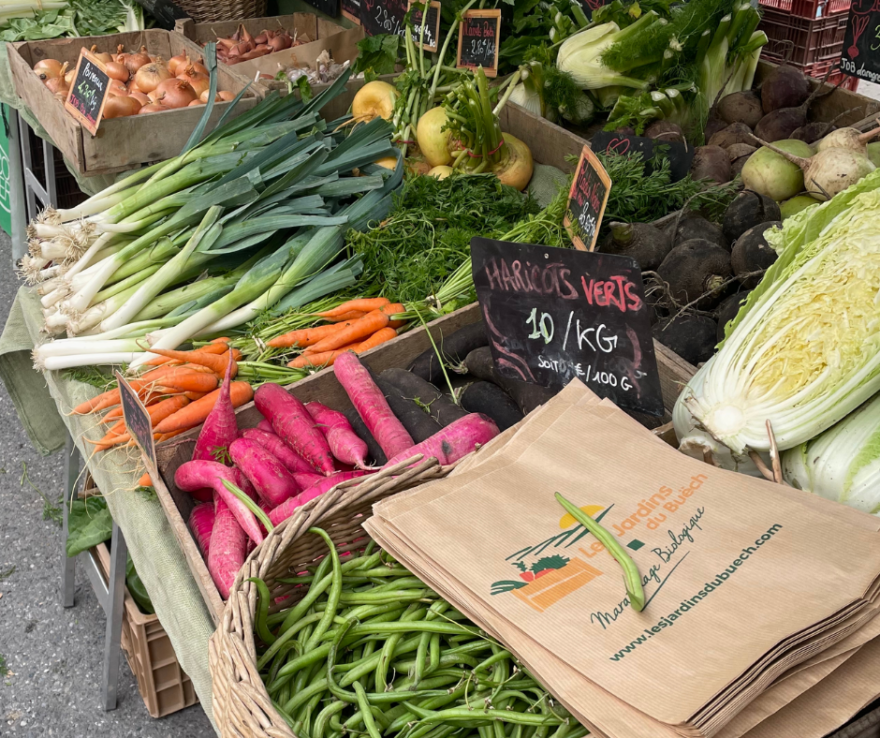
{"points": [[764, 610]]}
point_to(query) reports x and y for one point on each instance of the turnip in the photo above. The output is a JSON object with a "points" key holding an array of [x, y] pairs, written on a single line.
{"points": [[848, 138], [227, 549], [829, 171], [433, 140], [874, 153], [198, 474], [454, 442], [201, 523], [293, 462], [371, 405], [768, 173], [270, 478], [343, 441], [294, 425], [325, 484], [794, 205]]}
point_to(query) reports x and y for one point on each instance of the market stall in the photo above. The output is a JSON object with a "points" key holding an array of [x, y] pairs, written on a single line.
{"points": [[400, 261]]}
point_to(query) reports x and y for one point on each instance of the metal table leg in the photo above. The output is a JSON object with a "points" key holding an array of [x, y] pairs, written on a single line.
{"points": [[113, 639], [72, 461], [33, 188]]}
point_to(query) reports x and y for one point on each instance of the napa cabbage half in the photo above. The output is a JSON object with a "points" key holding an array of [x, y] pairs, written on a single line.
{"points": [[805, 349], [843, 463]]}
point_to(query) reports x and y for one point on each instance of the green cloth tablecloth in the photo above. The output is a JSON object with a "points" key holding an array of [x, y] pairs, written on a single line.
{"points": [[43, 401]]}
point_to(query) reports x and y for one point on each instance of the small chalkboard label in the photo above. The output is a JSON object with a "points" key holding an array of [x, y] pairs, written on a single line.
{"points": [[478, 38], [330, 7], [432, 26], [589, 6], [137, 420], [383, 16], [87, 95], [861, 50], [586, 201], [351, 9], [553, 315], [680, 155]]}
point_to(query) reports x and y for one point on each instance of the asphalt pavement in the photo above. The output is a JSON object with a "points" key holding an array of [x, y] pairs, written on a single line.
{"points": [[51, 657]]}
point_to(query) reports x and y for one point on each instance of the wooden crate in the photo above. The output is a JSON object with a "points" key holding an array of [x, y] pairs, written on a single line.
{"points": [[323, 386], [121, 144], [340, 42]]}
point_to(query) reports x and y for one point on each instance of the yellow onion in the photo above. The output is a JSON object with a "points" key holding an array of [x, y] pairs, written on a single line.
{"points": [[120, 107], [150, 76], [48, 68], [198, 81], [176, 93], [117, 71], [152, 108], [137, 59]]}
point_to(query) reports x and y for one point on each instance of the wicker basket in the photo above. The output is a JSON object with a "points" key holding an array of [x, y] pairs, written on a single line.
{"points": [[242, 707], [223, 10]]}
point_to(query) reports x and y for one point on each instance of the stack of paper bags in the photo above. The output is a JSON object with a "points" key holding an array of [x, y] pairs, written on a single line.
{"points": [[761, 600]]}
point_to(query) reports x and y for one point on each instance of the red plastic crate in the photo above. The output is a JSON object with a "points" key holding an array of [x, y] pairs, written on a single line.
{"points": [[820, 70], [802, 41], [811, 9]]}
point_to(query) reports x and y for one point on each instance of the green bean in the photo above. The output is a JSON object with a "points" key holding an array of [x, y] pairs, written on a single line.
{"points": [[367, 713], [305, 714], [631, 577], [263, 599], [387, 654], [286, 636], [287, 718], [500, 655], [333, 596], [307, 659], [317, 686], [462, 713], [434, 658], [301, 607], [321, 722], [376, 598]]}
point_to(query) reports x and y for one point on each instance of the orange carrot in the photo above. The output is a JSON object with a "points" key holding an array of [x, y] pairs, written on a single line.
{"points": [[160, 437], [379, 337], [193, 396], [365, 305], [196, 412], [158, 412], [98, 402], [357, 331], [306, 336], [217, 346], [187, 381], [314, 361], [213, 362], [350, 315], [393, 309], [145, 481]]}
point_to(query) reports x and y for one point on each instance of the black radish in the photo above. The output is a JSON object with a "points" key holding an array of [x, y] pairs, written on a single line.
{"points": [[692, 337], [711, 162], [360, 428], [728, 309], [527, 395], [424, 394], [641, 241], [692, 225], [741, 107], [491, 400], [784, 87], [752, 255], [770, 174], [747, 210], [453, 348], [417, 422], [829, 171], [696, 273], [735, 133]]}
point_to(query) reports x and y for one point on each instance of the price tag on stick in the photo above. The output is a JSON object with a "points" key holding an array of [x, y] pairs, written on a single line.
{"points": [[478, 38], [586, 201], [88, 93], [383, 16], [137, 420], [553, 315]]}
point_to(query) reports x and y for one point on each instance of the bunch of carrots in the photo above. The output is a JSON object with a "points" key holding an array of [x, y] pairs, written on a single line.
{"points": [[356, 325], [178, 393]]}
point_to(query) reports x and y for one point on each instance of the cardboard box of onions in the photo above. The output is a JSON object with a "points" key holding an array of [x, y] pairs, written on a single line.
{"points": [[121, 143]]}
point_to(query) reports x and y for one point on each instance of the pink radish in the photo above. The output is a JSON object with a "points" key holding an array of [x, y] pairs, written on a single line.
{"points": [[371, 405], [456, 440], [201, 523], [344, 443], [294, 425], [228, 548], [220, 428], [306, 480], [293, 462], [273, 482], [197, 474], [265, 425], [284, 511]]}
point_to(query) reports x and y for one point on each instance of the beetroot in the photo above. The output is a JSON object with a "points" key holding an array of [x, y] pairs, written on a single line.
{"points": [[784, 87]]}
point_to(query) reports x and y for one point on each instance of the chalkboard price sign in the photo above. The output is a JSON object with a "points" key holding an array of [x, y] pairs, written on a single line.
{"points": [[351, 9], [87, 95], [330, 7], [680, 155], [860, 43], [586, 201], [137, 420], [383, 16], [553, 315], [478, 38], [432, 26]]}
